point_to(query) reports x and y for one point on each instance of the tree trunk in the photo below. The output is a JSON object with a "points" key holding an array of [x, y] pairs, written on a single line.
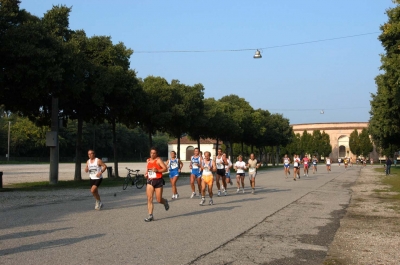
{"points": [[179, 148], [150, 139], [198, 143], [115, 147], [216, 148], [78, 151], [273, 156], [277, 154]]}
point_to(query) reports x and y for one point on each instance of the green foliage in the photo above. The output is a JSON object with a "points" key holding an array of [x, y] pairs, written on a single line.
{"points": [[354, 143], [325, 146], [366, 146], [384, 125]]}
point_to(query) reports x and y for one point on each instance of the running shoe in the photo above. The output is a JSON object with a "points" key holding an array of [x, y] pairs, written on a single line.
{"points": [[176, 196], [100, 205], [230, 182], [149, 218], [166, 205], [202, 201], [193, 194], [225, 193], [96, 206], [219, 193], [237, 191], [173, 196], [294, 179], [252, 191], [211, 202], [243, 190]]}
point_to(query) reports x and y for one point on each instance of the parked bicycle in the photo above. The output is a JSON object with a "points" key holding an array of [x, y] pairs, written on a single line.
{"points": [[135, 179]]}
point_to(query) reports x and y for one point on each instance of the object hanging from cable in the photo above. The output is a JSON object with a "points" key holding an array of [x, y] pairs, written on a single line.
{"points": [[257, 55]]}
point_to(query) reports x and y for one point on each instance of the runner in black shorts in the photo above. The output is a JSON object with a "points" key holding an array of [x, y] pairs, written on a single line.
{"points": [[155, 182], [95, 167], [220, 162]]}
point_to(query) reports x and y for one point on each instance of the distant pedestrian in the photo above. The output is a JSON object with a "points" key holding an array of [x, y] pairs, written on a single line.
{"points": [[96, 168], [388, 165]]}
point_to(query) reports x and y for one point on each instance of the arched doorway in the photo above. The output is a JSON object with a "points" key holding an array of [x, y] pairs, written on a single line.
{"points": [[189, 152], [343, 143], [342, 151]]}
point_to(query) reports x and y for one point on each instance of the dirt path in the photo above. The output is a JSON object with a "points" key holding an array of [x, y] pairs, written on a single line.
{"points": [[370, 231]]}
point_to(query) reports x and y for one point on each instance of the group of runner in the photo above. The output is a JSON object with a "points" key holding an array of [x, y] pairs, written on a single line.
{"points": [[202, 171], [305, 161]]}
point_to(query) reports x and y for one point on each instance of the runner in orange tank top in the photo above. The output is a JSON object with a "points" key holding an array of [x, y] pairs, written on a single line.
{"points": [[155, 182]]}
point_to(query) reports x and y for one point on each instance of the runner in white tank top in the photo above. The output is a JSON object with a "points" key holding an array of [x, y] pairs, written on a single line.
{"points": [[95, 167]]}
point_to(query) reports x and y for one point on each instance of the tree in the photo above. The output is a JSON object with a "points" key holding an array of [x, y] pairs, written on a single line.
{"points": [[354, 143], [239, 110], [325, 147], [366, 146], [384, 124], [157, 98], [305, 143], [186, 109]]}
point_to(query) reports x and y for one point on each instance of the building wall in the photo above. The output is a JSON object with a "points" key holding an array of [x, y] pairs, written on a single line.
{"points": [[203, 148], [339, 134]]}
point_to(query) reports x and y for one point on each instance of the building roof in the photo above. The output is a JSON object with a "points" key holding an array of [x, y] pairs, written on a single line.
{"points": [[186, 140]]}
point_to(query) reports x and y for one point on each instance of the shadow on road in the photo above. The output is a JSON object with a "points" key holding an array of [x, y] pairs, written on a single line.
{"points": [[47, 244]]}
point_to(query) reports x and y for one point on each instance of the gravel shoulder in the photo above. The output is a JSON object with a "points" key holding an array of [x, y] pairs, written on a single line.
{"points": [[369, 233]]}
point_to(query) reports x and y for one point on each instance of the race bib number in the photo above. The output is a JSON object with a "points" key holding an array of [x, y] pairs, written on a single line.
{"points": [[296, 164], [220, 166], [305, 162], [174, 165], [252, 169], [151, 174], [206, 170], [195, 165], [93, 173]]}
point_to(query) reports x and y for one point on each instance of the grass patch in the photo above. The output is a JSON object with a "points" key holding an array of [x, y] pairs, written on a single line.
{"points": [[378, 190], [392, 180]]}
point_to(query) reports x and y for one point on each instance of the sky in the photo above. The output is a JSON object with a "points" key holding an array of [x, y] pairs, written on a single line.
{"points": [[294, 79]]}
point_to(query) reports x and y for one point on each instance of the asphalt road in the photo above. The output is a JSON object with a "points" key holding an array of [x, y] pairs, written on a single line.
{"points": [[285, 222]]}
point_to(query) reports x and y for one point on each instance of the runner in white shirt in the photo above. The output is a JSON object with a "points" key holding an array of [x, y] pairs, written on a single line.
{"points": [[252, 165], [240, 166], [314, 164], [328, 164], [286, 165], [96, 168], [296, 167], [220, 162]]}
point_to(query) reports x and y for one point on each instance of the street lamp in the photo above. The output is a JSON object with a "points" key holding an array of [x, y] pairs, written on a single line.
{"points": [[257, 55]]}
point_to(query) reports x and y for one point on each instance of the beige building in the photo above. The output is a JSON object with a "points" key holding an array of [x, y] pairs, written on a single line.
{"points": [[188, 145], [339, 134]]}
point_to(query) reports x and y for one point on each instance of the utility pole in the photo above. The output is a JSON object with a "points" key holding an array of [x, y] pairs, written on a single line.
{"points": [[8, 150], [52, 141]]}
